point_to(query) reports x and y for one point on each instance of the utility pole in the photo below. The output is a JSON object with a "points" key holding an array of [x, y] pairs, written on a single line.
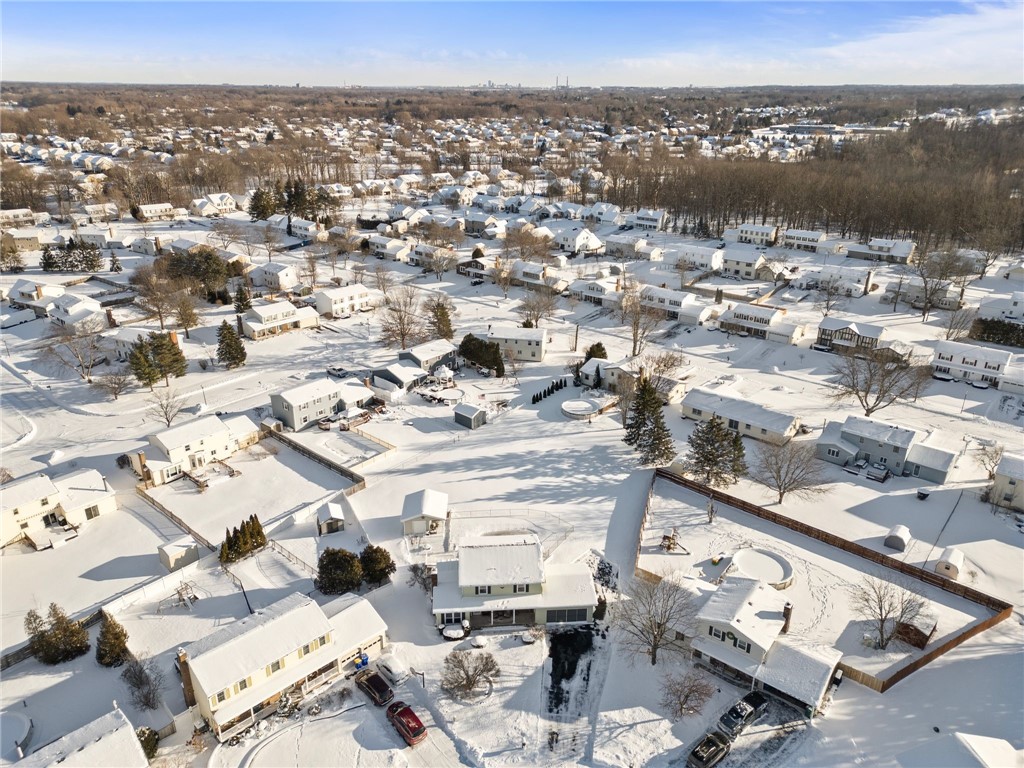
{"points": [[576, 338]]}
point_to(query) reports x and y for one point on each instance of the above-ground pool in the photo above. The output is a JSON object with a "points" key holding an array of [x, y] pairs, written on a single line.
{"points": [[580, 409], [15, 727], [764, 565]]}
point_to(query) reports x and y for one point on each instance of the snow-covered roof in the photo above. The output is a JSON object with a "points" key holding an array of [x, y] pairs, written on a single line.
{"points": [[512, 332], [468, 409], [425, 503], [330, 511], [500, 560], [799, 668], [866, 330], [953, 557], [566, 585], [311, 390], [879, 431], [189, 432], [960, 750], [932, 456], [1012, 466], [82, 488], [973, 352], [739, 408], [353, 620], [406, 372], [28, 490], [109, 741], [344, 292], [233, 652], [750, 606], [431, 349]]}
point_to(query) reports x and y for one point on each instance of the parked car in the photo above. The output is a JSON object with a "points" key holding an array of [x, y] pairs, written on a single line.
{"points": [[392, 668], [478, 281], [408, 725], [711, 750], [338, 372], [741, 714], [375, 687]]}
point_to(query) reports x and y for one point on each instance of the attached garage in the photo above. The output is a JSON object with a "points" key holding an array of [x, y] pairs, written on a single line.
{"points": [[423, 512]]}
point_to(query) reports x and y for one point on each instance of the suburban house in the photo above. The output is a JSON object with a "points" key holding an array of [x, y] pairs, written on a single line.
{"points": [[121, 340], [603, 291], [384, 247], [424, 512], [272, 318], [742, 264], [647, 218], [623, 247], [480, 268], [755, 234], [1010, 308], [879, 249], [677, 305], [39, 508], [502, 580], [403, 376], [697, 257], [17, 217], [81, 314], [22, 239], [848, 336], [530, 274], [970, 362], [236, 676], [944, 295], [432, 355], [1008, 484], [897, 450], [602, 213], [39, 297], [156, 212], [347, 299], [802, 240], [147, 246], [572, 238], [742, 632], [109, 740], [306, 404], [478, 221], [762, 322], [183, 245], [524, 344], [191, 445], [274, 276], [738, 413], [307, 230], [600, 373]]}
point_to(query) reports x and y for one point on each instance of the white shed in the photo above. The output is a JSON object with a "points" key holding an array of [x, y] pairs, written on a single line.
{"points": [[330, 518], [424, 511], [178, 553], [950, 562], [898, 538]]}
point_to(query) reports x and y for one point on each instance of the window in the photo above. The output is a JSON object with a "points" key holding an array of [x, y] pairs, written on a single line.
{"points": [[716, 633], [1008, 496], [743, 646], [883, 460], [275, 666], [221, 696], [24, 526], [697, 411], [570, 614], [521, 589], [833, 452], [322, 640], [483, 590], [1011, 481], [895, 449], [305, 649], [764, 431], [45, 501], [243, 684], [733, 424], [451, 618]]}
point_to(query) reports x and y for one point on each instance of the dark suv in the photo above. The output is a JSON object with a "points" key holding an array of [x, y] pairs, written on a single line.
{"points": [[375, 687], [711, 750], [743, 713]]}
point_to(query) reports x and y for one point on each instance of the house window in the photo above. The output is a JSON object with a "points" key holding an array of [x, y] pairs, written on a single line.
{"points": [[221, 696], [570, 614], [305, 650], [743, 646], [734, 424], [243, 684], [483, 590], [1008, 496], [323, 640], [883, 460], [451, 618], [24, 526], [521, 589], [895, 449], [716, 633], [275, 666], [697, 411], [45, 501]]}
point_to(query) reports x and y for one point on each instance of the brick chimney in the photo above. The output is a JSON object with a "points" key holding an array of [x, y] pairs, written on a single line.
{"points": [[39, 291], [186, 679], [787, 616]]}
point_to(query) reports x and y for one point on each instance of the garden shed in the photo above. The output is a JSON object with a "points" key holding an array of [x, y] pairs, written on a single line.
{"points": [[470, 416], [330, 518], [950, 563], [178, 553], [424, 511], [898, 538]]}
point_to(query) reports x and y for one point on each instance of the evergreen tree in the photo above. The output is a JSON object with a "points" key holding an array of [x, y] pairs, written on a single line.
{"points": [[338, 571], [440, 321], [259, 536], [715, 457], [230, 350], [87, 258], [112, 643], [243, 300], [244, 539], [149, 739], [142, 365], [115, 264], [597, 377], [49, 261], [167, 357], [57, 638], [225, 554], [377, 564], [645, 427], [595, 350]]}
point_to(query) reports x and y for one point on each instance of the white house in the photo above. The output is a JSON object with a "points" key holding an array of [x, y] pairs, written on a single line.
{"points": [[697, 257], [502, 580], [523, 344], [802, 239], [108, 740], [23, 239], [306, 404], [754, 319], [347, 299], [739, 414], [307, 230], [81, 314], [16, 217], [1009, 308], [880, 249], [648, 218], [742, 264], [39, 297], [970, 362], [424, 512], [156, 212], [272, 318], [604, 291], [121, 340], [677, 305], [623, 246], [755, 234], [192, 445], [274, 276], [574, 239], [36, 506], [1008, 484], [237, 675]]}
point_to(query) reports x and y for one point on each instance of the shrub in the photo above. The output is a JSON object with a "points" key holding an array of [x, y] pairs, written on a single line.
{"points": [[149, 739], [57, 638], [464, 671], [338, 571], [600, 609], [376, 563], [112, 643], [144, 679]]}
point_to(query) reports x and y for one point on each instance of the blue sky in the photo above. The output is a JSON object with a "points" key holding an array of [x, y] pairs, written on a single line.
{"points": [[592, 43]]}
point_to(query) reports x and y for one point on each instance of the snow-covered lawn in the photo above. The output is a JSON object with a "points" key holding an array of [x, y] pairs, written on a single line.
{"points": [[273, 481]]}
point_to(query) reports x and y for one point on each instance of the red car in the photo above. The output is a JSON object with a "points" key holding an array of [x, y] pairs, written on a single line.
{"points": [[407, 723]]}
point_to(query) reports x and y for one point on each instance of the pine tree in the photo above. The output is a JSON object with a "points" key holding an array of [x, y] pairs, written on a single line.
{"points": [[225, 554], [595, 350], [49, 261], [230, 350], [235, 544], [441, 322], [597, 376], [259, 536], [112, 643], [141, 363], [377, 564], [115, 264], [715, 457], [243, 301], [68, 638], [244, 539], [338, 571], [645, 427], [167, 357]]}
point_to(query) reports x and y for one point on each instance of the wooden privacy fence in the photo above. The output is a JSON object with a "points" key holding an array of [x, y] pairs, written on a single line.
{"points": [[1002, 609]]}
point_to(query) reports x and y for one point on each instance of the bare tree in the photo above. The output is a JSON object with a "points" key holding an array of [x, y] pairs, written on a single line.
{"points": [[886, 604], [503, 275], [153, 294], [789, 468], [144, 678], [76, 348], [226, 233], [401, 321], [441, 261], [115, 383], [465, 671], [649, 614], [251, 239], [625, 390], [878, 379], [165, 405], [311, 266], [660, 368], [641, 319], [830, 295], [686, 693], [958, 322], [5, 475], [988, 458], [537, 306], [420, 575], [386, 279], [271, 239], [935, 272], [511, 364]]}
